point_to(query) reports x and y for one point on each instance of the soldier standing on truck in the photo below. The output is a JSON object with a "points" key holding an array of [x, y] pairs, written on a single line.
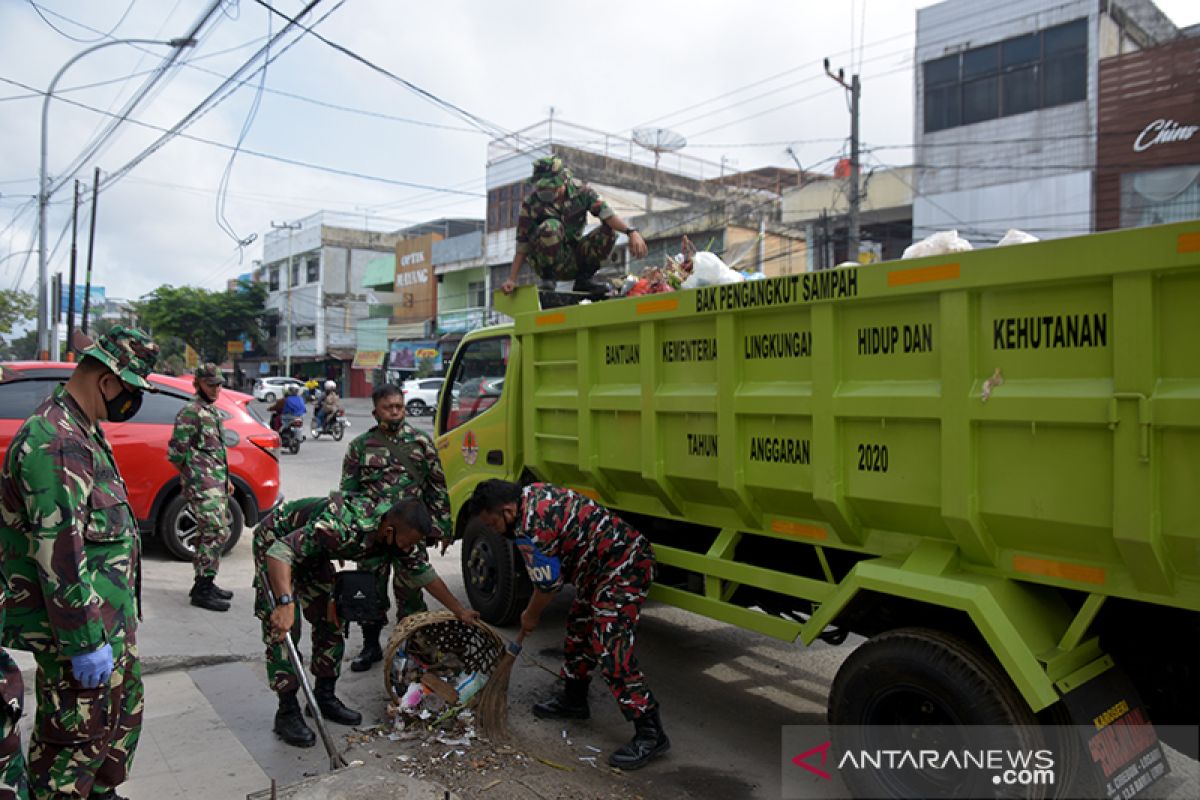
{"points": [[71, 551], [550, 230], [390, 462], [565, 538], [294, 548], [197, 449]]}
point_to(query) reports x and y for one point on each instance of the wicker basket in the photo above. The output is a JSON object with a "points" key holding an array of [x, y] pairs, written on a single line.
{"points": [[477, 645]]}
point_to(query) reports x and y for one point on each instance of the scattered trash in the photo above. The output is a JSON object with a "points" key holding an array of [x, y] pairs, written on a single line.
{"points": [[1015, 236], [355, 763], [938, 244], [554, 764], [593, 749], [991, 383]]}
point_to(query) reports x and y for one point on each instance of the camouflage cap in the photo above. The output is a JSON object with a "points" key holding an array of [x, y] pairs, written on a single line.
{"points": [[128, 352], [549, 173], [209, 372]]}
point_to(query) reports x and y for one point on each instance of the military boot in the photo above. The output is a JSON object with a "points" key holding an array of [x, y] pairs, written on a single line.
{"points": [[370, 652], [572, 703], [594, 288], [289, 724], [649, 740], [331, 707], [224, 594], [203, 596]]}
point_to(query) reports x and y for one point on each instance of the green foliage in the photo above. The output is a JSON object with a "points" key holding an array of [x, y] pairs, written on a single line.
{"points": [[22, 348], [203, 319], [425, 367], [15, 306]]}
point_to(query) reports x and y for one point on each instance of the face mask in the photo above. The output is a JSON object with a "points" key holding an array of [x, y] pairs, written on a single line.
{"points": [[391, 425], [123, 407], [547, 195]]}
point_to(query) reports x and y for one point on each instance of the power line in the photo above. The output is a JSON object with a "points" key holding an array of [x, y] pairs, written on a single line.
{"points": [[483, 124], [58, 30]]}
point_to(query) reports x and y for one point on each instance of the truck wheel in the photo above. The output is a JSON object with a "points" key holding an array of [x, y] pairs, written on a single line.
{"points": [[177, 528], [924, 678], [495, 587]]}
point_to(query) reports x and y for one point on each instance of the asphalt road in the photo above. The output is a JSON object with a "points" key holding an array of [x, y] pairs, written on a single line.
{"points": [[726, 693]]}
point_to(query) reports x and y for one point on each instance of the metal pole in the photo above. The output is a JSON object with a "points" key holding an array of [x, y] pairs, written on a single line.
{"points": [[71, 285], [43, 337], [852, 254], [291, 227], [87, 288], [854, 88]]}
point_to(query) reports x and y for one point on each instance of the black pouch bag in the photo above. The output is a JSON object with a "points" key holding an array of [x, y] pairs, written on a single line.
{"points": [[355, 596]]}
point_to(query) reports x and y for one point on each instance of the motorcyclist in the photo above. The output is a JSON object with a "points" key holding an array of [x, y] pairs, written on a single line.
{"points": [[329, 405], [290, 405]]}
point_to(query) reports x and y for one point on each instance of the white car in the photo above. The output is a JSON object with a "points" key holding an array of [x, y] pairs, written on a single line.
{"points": [[421, 395], [270, 389]]}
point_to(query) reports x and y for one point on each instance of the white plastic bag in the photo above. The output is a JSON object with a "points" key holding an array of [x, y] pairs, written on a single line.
{"points": [[709, 270], [1015, 236], [938, 244]]}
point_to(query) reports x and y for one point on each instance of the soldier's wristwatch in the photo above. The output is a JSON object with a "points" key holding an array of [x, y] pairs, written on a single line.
{"points": [[630, 229], [284, 600]]}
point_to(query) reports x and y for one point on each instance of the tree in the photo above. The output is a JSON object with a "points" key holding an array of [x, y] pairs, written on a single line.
{"points": [[203, 319], [15, 306], [21, 348]]}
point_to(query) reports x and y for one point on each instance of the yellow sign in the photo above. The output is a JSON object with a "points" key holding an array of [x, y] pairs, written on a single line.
{"points": [[235, 348], [368, 359], [191, 358]]}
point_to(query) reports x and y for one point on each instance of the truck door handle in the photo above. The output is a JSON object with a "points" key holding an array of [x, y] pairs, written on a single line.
{"points": [[495, 457]]}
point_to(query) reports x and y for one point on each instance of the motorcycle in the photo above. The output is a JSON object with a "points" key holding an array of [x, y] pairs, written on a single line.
{"points": [[291, 432], [333, 425]]}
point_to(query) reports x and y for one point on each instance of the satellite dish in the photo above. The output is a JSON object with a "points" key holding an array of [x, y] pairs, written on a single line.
{"points": [[659, 141]]}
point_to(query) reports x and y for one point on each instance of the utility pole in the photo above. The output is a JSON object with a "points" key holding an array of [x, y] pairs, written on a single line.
{"points": [[87, 284], [853, 87], [290, 227], [71, 286]]}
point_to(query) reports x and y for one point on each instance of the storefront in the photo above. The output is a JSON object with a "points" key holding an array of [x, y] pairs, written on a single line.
{"points": [[1148, 148]]}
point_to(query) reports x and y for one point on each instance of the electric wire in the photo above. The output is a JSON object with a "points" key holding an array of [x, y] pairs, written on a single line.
{"points": [[39, 10]]}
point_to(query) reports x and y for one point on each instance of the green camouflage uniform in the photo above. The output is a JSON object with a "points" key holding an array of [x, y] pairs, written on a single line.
{"points": [[375, 465], [71, 550], [309, 534], [550, 231], [197, 448], [14, 783]]}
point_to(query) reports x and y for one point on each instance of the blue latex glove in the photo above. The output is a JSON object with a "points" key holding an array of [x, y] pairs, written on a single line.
{"points": [[94, 668]]}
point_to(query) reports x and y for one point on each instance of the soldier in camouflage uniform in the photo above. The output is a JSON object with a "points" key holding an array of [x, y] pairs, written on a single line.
{"points": [[295, 546], [390, 462], [565, 538], [197, 449], [550, 230], [14, 783], [70, 548]]}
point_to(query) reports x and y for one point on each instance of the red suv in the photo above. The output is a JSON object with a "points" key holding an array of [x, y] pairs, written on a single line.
{"points": [[140, 447]]}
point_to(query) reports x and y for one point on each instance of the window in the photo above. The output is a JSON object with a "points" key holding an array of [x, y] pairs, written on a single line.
{"points": [[20, 398], [312, 267], [1025, 73], [504, 205], [273, 279], [159, 408], [476, 296], [295, 281], [477, 381], [941, 94]]}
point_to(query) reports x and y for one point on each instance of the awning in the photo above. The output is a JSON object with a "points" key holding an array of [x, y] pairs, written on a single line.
{"points": [[369, 359]]}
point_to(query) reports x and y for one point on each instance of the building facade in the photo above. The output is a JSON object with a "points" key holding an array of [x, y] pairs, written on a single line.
{"points": [[315, 297], [1148, 153], [1006, 111]]}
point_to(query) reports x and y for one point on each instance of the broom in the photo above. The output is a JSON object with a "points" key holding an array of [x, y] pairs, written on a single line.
{"points": [[493, 698]]}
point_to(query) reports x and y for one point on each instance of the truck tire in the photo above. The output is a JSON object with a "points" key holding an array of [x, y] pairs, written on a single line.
{"points": [[177, 528], [496, 588], [925, 677]]}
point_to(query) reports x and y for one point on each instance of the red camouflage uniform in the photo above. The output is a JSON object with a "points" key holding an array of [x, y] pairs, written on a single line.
{"points": [[566, 538]]}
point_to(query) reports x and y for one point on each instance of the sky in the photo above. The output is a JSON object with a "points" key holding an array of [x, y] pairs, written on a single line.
{"points": [[739, 81]]}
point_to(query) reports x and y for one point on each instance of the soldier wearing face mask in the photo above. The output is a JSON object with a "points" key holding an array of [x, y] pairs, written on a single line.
{"points": [[70, 548], [394, 461]]}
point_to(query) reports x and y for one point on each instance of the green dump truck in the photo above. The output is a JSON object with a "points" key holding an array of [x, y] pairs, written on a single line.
{"points": [[988, 464]]}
